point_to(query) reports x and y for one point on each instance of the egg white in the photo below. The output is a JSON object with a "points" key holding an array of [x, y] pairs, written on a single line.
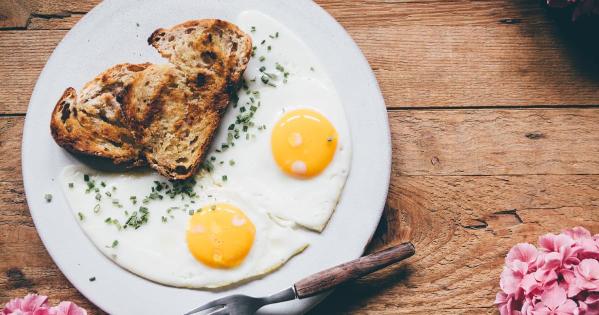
{"points": [[308, 202], [158, 250]]}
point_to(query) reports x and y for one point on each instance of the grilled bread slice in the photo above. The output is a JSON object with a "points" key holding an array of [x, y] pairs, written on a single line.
{"points": [[177, 117], [163, 114], [93, 123]]}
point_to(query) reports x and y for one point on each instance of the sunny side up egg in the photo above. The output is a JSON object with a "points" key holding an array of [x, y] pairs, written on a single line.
{"points": [[279, 161], [218, 239], [295, 163]]}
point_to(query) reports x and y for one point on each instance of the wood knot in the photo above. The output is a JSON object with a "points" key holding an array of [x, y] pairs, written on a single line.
{"points": [[16, 279], [510, 21], [534, 135], [435, 160]]}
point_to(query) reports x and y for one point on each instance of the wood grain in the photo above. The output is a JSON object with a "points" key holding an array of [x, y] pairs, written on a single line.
{"points": [[496, 142], [477, 165], [451, 54]]}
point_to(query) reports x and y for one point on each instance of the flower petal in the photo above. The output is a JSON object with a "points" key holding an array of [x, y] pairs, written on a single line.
{"points": [[523, 252]]}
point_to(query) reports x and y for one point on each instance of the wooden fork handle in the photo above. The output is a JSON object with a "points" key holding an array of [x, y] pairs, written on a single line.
{"points": [[327, 279]]}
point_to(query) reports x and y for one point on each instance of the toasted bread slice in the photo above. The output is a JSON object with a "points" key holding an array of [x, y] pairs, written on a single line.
{"points": [[205, 44], [176, 117], [163, 114], [92, 124]]}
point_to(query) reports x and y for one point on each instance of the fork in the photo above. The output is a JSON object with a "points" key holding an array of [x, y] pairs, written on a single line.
{"points": [[239, 304]]}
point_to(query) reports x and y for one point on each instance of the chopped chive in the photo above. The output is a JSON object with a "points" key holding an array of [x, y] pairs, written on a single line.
{"points": [[224, 178], [253, 29], [231, 162], [262, 58], [103, 184], [115, 243], [86, 177], [48, 197], [97, 208], [81, 216], [92, 279], [71, 185]]}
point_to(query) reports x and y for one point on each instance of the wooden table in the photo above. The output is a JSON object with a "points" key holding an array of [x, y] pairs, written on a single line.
{"points": [[494, 113]]}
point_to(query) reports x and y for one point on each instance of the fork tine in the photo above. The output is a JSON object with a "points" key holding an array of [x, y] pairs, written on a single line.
{"points": [[211, 304], [221, 311]]}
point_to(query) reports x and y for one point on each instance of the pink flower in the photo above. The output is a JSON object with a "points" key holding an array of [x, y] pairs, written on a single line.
{"points": [[512, 276], [67, 308], [33, 304], [589, 305], [563, 245], [505, 303], [523, 252], [554, 302], [561, 276], [586, 277]]}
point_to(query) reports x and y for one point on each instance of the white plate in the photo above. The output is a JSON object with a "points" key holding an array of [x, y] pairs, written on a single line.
{"points": [[116, 31]]}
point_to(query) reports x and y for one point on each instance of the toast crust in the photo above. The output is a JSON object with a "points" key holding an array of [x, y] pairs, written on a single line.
{"points": [[161, 115], [92, 123]]}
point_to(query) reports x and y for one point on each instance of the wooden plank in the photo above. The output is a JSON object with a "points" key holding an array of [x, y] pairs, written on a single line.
{"points": [[17, 14], [372, 12], [495, 142], [457, 142], [481, 62], [11, 133], [24, 54], [54, 23]]}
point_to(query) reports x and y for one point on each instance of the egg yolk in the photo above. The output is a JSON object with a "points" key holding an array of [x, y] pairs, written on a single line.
{"points": [[303, 143], [220, 235]]}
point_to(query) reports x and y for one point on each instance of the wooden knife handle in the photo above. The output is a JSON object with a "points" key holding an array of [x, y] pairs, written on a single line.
{"points": [[327, 279]]}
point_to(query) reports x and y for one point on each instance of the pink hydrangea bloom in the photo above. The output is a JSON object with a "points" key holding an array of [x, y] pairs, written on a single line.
{"points": [[67, 308], [33, 304], [560, 277]]}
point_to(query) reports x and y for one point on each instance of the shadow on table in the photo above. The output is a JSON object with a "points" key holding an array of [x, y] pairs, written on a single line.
{"points": [[580, 38], [366, 287]]}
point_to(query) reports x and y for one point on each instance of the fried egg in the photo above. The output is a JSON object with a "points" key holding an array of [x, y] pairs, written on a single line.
{"points": [[208, 241], [295, 159]]}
